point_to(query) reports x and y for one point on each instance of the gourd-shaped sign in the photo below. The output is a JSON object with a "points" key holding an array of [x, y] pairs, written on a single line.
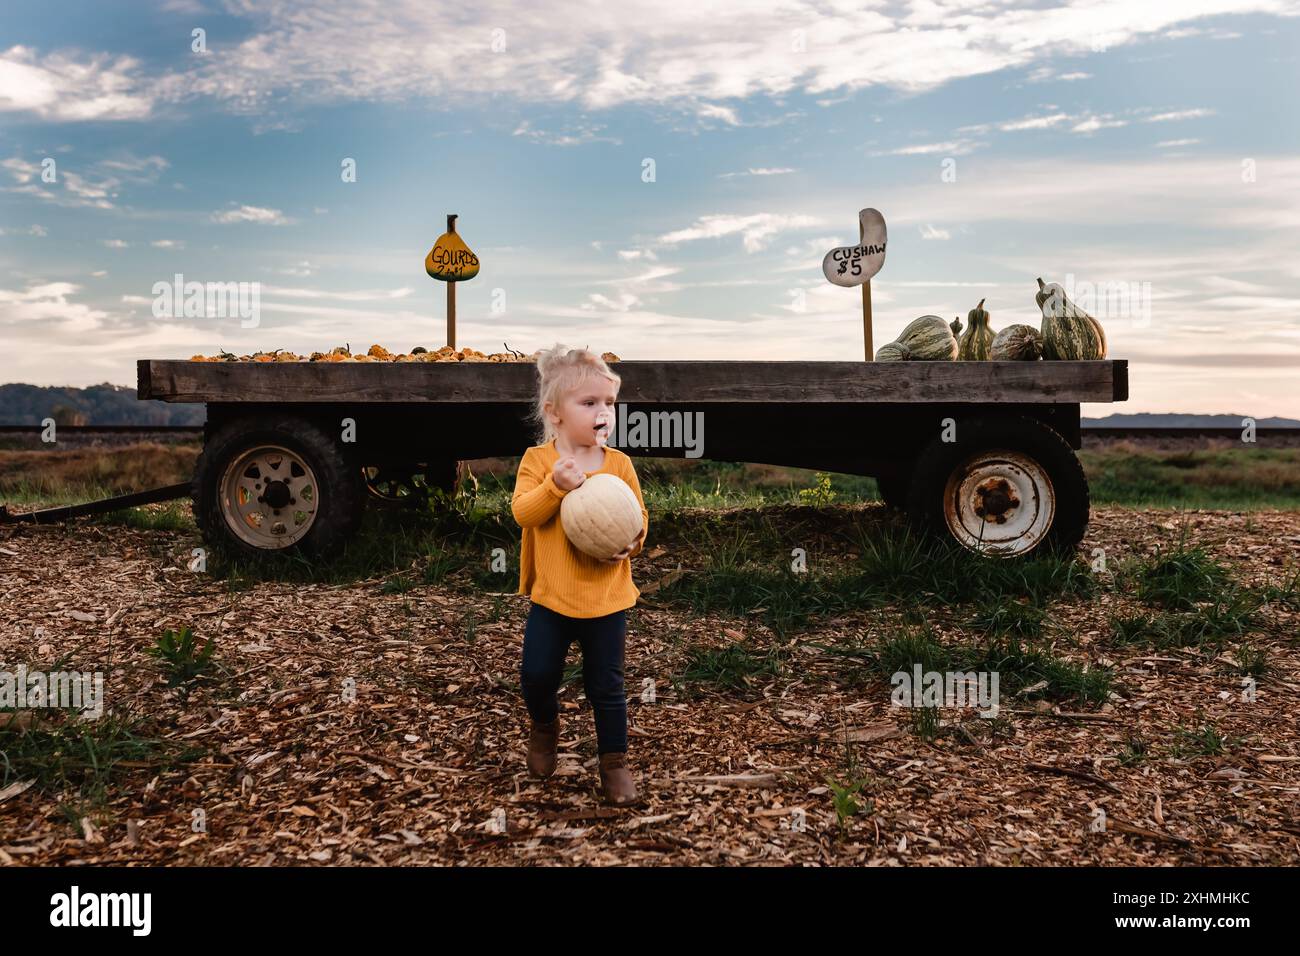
{"points": [[450, 259], [854, 265]]}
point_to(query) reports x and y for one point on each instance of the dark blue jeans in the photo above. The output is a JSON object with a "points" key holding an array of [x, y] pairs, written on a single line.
{"points": [[547, 637]]}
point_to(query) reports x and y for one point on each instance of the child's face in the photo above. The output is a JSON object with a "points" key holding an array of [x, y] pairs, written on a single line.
{"points": [[586, 414]]}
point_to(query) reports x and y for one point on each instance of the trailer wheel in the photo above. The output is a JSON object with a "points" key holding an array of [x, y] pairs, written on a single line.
{"points": [[1006, 487], [276, 483]]}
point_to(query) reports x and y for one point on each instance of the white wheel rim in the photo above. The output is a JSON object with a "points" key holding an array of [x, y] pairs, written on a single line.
{"points": [[1004, 485], [269, 497]]}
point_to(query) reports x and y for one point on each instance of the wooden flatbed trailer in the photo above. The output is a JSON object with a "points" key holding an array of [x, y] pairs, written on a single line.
{"points": [[980, 451]]}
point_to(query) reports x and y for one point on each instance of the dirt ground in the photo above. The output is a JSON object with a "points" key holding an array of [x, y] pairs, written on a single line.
{"points": [[426, 764]]}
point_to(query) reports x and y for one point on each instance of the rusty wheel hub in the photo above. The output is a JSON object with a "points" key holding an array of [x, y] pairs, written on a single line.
{"points": [[994, 500], [999, 502]]}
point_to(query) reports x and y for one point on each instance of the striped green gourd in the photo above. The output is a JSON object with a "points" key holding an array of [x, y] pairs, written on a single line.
{"points": [[927, 339], [976, 341], [1069, 333], [1017, 343]]}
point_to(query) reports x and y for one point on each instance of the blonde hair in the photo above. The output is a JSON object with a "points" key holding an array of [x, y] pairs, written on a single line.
{"points": [[561, 370]]}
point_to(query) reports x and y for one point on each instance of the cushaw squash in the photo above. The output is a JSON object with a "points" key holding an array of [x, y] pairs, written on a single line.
{"points": [[927, 339], [974, 345], [1017, 343], [1069, 333]]}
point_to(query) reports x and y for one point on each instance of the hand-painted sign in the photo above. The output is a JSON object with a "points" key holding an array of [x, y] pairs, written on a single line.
{"points": [[450, 259], [854, 265]]}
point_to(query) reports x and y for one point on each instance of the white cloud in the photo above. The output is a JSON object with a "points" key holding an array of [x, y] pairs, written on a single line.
{"points": [[571, 136], [168, 244], [256, 214], [60, 88], [1094, 123], [43, 310], [95, 185], [957, 147], [1175, 143], [761, 171], [700, 59], [1184, 192], [756, 230], [1178, 115], [116, 243], [622, 303], [361, 295], [930, 232]]}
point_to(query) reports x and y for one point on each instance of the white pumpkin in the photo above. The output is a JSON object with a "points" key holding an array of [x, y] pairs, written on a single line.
{"points": [[601, 516]]}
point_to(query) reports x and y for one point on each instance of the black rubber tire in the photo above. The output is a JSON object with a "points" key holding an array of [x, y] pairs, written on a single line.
{"points": [[1014, 433], [340, 488], [893, 491]]}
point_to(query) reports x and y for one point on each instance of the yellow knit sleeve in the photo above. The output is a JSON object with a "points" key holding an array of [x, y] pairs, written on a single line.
{"points": [[629, 476], [536, 497]]}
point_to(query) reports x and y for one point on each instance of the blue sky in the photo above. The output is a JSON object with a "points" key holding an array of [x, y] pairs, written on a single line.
{"points": [[1145, 147]]}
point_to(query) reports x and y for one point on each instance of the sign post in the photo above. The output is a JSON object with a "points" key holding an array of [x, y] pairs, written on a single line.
{"points": [[450, 261], [848, 266]]}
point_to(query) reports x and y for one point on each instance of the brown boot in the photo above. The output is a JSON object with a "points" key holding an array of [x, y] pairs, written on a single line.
{"points": [[616, 780], [543, 739]]}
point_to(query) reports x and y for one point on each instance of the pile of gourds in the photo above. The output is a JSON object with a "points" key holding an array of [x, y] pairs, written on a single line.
{"points": [[1067, 334], [377, 353]]}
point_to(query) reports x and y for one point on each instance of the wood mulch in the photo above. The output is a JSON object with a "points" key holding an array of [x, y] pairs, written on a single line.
{"points": [[426, 764]]}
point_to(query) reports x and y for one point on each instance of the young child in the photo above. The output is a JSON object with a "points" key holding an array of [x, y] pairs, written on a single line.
{"points": [[574, 596]]}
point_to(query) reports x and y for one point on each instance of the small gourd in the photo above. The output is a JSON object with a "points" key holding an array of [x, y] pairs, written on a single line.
{"points": [[974, 345], [927, 339], [1017, 343], [1069, 333]]}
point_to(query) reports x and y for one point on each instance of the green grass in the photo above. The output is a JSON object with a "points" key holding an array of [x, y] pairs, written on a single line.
{"points": [[1208, 627], [730, 668], [894, 566], [1018, 665], [1232, 476], [1136, 750], [1203, 741], [1180, 579], [88, 757]]}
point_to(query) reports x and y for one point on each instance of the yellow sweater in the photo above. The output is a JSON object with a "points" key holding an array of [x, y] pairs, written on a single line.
{"points": [[552, 572]]}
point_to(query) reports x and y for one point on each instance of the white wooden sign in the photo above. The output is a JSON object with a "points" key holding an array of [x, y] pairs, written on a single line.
{"points": [[853, 265]]}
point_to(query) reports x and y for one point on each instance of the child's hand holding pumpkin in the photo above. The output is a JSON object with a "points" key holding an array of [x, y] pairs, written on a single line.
{"points": [[626, 552]]}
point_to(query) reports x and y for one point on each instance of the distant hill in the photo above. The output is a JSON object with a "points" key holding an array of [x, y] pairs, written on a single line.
{"points": [[1176, 420], [97, 405]]}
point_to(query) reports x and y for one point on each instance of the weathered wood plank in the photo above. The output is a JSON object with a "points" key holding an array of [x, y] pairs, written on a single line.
{"points": [[642, 381]]}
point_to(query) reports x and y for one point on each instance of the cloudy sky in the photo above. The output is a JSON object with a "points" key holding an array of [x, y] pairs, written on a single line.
{"points": [[658, 179]]}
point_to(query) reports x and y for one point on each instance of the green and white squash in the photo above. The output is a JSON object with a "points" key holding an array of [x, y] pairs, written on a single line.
{"points": [[1017, 343], [927, 339], [1069, 333], [975, 343]]}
